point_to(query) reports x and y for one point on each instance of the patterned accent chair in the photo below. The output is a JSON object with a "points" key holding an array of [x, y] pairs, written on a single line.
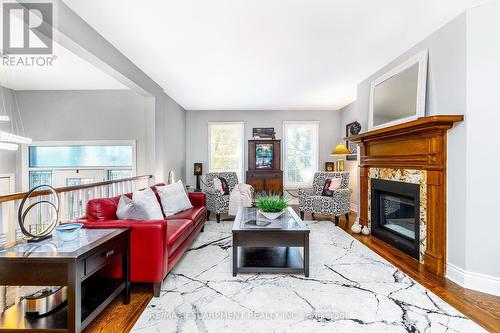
{"points": [[217, 202], [311, 200]]}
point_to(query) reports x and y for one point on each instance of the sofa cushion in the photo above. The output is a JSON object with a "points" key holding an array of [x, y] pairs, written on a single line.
{"points": [[195, 214], [155, 190], [177, 232], [174, 198], [149, 201], [102, 209], [128, 209]]}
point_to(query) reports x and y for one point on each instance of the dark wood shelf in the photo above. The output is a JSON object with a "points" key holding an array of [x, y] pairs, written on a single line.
{"points": [[13, 319], [98, 293], [270, 260]]}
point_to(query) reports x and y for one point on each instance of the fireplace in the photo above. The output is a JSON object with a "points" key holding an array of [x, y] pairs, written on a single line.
{"points": [[395, 214], [418, 145]]}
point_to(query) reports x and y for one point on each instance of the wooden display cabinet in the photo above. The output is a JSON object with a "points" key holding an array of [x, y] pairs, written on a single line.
{"points": [[264, 166]]}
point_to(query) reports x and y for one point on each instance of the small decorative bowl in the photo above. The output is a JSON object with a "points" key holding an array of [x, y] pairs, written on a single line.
{"points": [[68, 232], [272, 216]]}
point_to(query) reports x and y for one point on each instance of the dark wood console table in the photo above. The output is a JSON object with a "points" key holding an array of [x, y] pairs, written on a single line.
{"points": [[87, 266]]}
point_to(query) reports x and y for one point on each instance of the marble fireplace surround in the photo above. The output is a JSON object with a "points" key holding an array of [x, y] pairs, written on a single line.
{"points": [[404, 151], [418, 177]]}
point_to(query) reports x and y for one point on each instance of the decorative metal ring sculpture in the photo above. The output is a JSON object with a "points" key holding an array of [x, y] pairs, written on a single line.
{"points": [[21, 214]]}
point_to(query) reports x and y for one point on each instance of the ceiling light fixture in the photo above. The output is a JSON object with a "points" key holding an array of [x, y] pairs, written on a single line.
{"points": [[8, 146], [8, 137], [9, 141]]}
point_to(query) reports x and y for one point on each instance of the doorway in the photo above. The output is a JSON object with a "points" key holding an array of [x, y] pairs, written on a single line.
{"points": [[7, 185]]}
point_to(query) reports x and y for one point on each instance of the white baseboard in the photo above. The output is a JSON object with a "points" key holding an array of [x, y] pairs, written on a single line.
{"points": [[354, 207], [475, 281]]}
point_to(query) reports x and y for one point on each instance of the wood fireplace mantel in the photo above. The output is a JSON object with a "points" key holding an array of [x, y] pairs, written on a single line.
{"points": [[418, 144]]}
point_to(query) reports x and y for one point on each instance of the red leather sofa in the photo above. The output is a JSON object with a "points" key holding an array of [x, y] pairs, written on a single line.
{"points": [[157, 245]]}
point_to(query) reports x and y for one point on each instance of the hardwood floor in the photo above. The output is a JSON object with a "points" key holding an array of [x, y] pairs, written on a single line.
{"points": [[119, 317], [484, 309]]}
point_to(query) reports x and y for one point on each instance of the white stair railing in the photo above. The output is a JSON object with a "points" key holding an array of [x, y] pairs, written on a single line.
{"points": [[72, 204]]}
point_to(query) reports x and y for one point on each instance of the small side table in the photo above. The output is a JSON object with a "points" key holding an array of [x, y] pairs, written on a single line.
{"points": [[85, 266]]}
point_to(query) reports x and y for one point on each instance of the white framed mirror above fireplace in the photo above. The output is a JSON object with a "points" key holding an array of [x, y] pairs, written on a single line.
{"points": [[398, 95]]}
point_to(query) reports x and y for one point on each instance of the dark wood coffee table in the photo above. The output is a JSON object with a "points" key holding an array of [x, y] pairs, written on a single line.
{"points": [[86, 266], [272, 248]]}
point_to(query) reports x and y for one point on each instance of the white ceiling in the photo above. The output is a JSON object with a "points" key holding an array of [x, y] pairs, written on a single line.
{"points": [[68, 72], [264, 54]]}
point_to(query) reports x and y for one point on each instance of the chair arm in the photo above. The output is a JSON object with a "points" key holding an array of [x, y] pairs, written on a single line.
{"points": [[342, 193], [198, 199], [148, 247], [304, 192], [212, 191]]}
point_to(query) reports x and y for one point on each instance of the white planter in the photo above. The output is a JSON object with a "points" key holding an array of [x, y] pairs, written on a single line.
{"points": [[272, 216], [365, 231], [356, 227]]}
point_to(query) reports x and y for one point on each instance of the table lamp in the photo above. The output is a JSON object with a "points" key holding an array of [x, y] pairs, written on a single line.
{"points": [[340, 150]]}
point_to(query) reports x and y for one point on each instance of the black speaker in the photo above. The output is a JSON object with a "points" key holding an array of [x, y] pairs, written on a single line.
{"points": [[198, 169]]}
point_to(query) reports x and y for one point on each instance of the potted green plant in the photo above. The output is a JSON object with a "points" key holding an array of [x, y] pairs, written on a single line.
{"points": [[271, 207]]}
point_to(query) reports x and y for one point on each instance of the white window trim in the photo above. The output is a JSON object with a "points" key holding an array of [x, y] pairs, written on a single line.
{"points": [[294, 186], [241, 174], [25, 169]]}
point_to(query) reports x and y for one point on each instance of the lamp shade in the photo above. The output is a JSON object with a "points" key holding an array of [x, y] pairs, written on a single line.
{"points": [[340, 149]]}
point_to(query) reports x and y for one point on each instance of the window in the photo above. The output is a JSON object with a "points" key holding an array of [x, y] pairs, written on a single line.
{"points": [[80, 156], [225, 152], [78, 181], [40, 177], [301, 152], [71, 163], [119, 174]]}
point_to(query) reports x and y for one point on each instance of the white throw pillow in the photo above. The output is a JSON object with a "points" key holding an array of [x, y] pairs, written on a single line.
{"points": [[218, 184], [174, 198], [147, 199], [335, 183], [130, 210]]}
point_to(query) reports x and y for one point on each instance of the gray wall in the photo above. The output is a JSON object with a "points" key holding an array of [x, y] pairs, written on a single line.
{"points": [[197, 131], [483, 123], [446, 89], [348, 114], [446, 94], [87, 115], [174, 127], [462, 79]]}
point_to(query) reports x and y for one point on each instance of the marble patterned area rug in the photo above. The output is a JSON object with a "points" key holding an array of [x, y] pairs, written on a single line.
{"points": [[350, 289]]}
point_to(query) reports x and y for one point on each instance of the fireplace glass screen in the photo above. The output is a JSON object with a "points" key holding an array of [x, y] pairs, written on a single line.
{"points": [[398, 215]]}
